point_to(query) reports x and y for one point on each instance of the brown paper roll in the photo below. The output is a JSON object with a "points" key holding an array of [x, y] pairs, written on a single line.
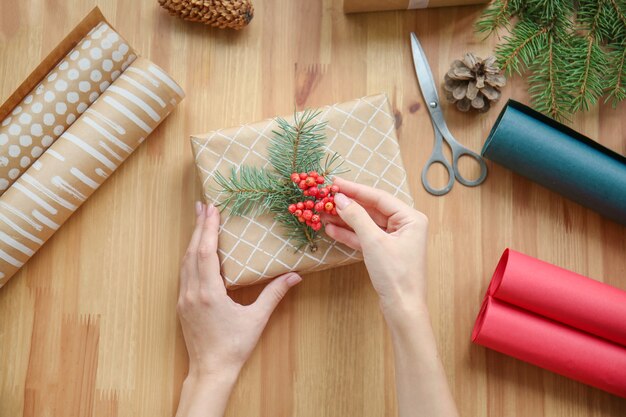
{"points": [[81, 159], [55, 103], [253, 249]]}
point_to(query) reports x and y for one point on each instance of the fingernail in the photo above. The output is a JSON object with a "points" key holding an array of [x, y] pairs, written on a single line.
{"points": [[209, 209], [198, 208], [342, 201], [293, 279]]}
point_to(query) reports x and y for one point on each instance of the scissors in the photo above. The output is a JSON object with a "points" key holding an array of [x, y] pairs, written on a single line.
{"points": [[429, 91]]}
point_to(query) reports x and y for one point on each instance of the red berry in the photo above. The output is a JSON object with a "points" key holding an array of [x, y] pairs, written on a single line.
{"points": [[309, 181], [301, 219], [303, 175], [309, 223], [333, 212], [322, 192], [309, 204], [300, 205], [331, 198], [313, 191], [292, 208], [307, 214], [306, 193], [329, 206], [319, 206], [316, 226], [315, 218], [319, 180], [334, 189], [325, 200], [297, 213], [302, 185], [295, 177], [313, 174]]}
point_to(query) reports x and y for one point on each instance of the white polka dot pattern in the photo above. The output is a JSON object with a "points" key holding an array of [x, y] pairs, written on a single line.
{"points": [[60, 97], [79, 161]]}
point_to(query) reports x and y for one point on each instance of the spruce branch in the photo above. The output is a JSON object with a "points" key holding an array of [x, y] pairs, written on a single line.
{"points": [[293, 148], [572, 51]]}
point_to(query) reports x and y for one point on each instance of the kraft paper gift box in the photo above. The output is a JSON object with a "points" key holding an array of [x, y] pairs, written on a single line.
{"points": [[88, 105], [253, 249]]}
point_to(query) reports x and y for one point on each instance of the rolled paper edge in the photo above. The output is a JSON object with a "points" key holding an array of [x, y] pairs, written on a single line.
{"points": [[585, 322], [570, 368]]}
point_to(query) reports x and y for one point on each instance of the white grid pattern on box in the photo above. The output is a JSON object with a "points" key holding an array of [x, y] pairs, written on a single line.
{"points": [[217, 161]]}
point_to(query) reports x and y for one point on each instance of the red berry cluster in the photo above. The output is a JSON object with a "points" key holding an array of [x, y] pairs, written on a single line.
{"points": [[309, 210]]}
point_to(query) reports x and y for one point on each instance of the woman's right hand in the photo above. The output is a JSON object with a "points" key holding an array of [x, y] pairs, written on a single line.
{"points": [[392, 237]]}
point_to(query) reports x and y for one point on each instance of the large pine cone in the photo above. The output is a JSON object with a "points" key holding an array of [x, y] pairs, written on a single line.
{"points": [[474, 83], [233, 14]]}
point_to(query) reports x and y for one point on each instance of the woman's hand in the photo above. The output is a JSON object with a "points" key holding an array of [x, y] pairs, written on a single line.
{"points": [[392, 237], [219, 333]]}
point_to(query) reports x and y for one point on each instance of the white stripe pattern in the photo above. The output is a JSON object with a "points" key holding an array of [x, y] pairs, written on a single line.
{"points": [[143, 89], [48, 192], [127, 113], [90, 150], [19, 230], [45, 220], [15, 244], [114, 140], [166, 79], [35, 198], [65, 186], [84, 178], [8, 258], [136, 101]]}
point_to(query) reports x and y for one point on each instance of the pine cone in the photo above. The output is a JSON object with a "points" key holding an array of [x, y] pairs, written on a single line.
{"points": [[474, 83], [233, 14]]}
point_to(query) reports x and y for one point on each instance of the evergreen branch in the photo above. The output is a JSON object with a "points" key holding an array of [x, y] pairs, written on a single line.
{"points": [[250, 191], [523, 45], [617, 91], [621, 14], [494, 17], [298, 147]]}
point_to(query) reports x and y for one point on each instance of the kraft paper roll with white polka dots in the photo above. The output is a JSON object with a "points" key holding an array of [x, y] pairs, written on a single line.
{"points": [[55, 103], [82, 158]]}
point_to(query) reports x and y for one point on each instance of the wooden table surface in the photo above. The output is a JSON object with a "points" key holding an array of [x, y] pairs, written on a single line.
{"points": [[88, 327]]}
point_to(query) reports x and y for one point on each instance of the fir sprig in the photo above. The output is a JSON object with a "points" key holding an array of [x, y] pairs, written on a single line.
{"points": [[297, 147], [574, 51]]}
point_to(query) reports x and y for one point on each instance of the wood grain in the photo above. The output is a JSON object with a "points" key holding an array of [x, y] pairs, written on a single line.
{"points": [[89, 326]]}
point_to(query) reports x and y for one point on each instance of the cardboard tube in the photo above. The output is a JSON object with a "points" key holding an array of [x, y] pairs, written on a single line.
{"points": [[74, 166], [560, 159], [60, 97], [551, 345], [561, 295]]}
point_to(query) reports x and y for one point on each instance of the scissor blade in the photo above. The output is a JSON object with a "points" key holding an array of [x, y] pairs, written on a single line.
{"points": [[422, 70]]}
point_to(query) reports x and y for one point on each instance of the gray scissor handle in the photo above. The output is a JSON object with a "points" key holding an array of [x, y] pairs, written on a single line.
{"points": [[437, 157], [458, 151]]}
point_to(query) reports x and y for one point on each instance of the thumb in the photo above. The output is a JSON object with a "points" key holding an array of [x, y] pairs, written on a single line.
{"points": [[356, 217], [275, 291]]}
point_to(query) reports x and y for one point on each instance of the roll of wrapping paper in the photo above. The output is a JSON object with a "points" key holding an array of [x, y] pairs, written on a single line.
{"points": [[560, 159], [81, 159], [555, 319], [560, 295], [552, 346], [64, 93]]}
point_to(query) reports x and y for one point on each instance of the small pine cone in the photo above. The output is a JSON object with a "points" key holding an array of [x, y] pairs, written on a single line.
{"points": [[232, 14], [474, 83]]}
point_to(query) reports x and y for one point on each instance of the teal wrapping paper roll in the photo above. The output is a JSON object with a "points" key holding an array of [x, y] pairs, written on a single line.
{"points": [[559, 158]]}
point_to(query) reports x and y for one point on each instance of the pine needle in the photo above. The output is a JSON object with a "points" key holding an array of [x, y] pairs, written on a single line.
{"points": [[572, 52]]}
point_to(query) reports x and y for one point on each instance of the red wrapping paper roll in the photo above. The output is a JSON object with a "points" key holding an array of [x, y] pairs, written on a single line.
{"points": [[551, 345], [561, 295]]}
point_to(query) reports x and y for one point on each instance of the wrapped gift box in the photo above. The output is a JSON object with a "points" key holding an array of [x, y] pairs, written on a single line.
{"points": [[253, 249]]}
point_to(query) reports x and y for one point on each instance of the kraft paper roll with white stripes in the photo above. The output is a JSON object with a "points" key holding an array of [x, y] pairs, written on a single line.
{"points": [[74, 166], [62, 95]]}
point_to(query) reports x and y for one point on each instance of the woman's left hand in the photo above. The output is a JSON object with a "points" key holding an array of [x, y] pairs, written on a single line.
{"points": [[220, 334]]}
